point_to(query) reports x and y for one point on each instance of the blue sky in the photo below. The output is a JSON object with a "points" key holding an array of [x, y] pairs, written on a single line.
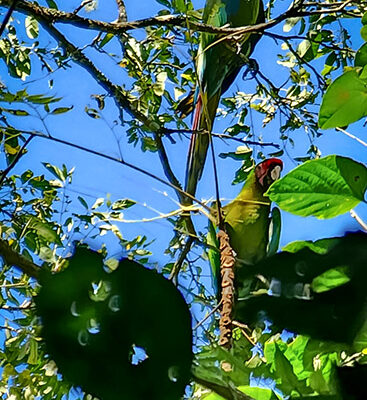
{"points": [[96, 177]]}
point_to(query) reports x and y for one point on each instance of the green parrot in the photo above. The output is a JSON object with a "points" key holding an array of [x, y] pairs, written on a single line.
{"points": [[218, 63], [247, 220]]}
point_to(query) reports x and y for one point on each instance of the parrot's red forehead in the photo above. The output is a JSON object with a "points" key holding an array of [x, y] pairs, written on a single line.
{"points": [[271, 163]]}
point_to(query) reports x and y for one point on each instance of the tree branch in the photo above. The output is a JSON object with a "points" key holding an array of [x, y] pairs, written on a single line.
{"points": [[11, 257], [51, 16], [122, 17]]}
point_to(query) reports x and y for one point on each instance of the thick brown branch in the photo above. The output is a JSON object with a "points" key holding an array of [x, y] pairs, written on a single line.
{"points": [[227, 263], [11, 257], [52, 15]]}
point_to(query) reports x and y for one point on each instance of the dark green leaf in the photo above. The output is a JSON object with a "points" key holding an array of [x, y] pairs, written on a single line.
{"points": [[61, 110], [336, 315], [122, 204], [83, 202], [52, 4], [92, 338]]}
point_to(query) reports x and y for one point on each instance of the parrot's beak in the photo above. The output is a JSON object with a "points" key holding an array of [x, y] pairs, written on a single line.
{"points": [[275, 172]]}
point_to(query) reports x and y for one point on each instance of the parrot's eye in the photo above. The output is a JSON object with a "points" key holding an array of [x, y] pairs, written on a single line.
{"points": [[275, 172]]}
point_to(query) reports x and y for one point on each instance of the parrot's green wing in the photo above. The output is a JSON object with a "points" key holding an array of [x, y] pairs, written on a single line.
{"points": [[274, 232], [214, 256]]}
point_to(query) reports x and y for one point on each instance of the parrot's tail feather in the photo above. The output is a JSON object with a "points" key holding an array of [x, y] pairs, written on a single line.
{"points": [[190, 186], [197, 115]]}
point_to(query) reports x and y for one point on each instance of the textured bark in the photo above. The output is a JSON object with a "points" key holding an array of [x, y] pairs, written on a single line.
{"points": [[227, 262]]}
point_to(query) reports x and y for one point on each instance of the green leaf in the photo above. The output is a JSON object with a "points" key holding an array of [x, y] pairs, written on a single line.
{"points": [[361, 56], [41, 99], [217, 365], [321, 246], [61, 110], [56, 171], [254, 392], [344, 102], [31, 27], [122, 204], [97, 203], [323, 188], [330, 279], [52, 4], [364, 32], [83, 202], [92, 112], [106, 39], [283, 374], [159, 85], [19, 113], [242, 153], [45, 230], [290, 23], [166, 3], [33, 352]]}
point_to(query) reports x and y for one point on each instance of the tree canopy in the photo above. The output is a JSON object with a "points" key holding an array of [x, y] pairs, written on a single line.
{"points": [[106, 288]]}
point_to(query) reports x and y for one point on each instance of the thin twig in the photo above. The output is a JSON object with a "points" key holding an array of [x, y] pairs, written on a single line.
{"points": [[351, 136], [216, 308], [120, 161], [220, 136], [82, 5], [178, 264], [20, 153], [358, 219]]}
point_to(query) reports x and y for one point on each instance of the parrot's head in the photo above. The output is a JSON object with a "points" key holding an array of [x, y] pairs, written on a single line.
{"points": [[268, 171]]}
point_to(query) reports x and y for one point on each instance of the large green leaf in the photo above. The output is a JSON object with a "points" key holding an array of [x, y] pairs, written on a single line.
{"points": [[96, 323], [344, 102], [336, 313], [323, 188]]}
